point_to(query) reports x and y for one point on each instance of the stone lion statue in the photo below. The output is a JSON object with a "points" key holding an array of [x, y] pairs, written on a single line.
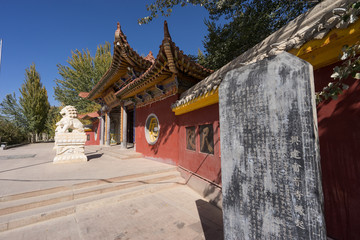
{"points": [[69, 121]]}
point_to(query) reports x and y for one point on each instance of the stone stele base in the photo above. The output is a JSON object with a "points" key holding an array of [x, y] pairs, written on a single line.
{"points": [[70, 147]]}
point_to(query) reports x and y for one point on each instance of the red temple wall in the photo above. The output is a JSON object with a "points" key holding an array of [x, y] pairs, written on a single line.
{"points": [[203, 164], [339, 134], [166, 149]]}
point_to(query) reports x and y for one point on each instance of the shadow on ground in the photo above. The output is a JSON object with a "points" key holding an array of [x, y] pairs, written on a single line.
{"points": [[94, 156], [32, 165], [211, 220]]}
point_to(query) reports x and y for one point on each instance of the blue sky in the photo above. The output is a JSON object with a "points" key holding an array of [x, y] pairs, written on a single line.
{"points": [[45, 32]]}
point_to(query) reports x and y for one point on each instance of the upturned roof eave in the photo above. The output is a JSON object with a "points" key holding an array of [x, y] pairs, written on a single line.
{"points": [[162, 66], [120, 45]]}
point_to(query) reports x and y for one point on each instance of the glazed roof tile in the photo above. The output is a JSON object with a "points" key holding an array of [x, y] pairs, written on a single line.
{"points": [[150, 57], [314, 24]]}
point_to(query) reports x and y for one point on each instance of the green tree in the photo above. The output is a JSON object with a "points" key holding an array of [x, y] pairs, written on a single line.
{"points": [[53, 117], [12, 121], [11, 133], [247, 22], [81, 75], [12, 111], [34, 101]]}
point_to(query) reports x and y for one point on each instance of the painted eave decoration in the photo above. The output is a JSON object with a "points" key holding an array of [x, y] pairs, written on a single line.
{"points": [[316, 36]]}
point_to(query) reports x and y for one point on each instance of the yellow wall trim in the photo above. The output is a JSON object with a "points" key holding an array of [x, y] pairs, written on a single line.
{"points": [[199, 102], [326, 51]]}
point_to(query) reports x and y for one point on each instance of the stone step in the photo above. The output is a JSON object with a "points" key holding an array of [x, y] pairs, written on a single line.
{"points": [[37, 215], [81, 185], [38, 211], [83, 190]]}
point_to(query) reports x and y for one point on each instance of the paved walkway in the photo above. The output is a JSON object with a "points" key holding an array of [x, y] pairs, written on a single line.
{"points": [[171, 213], [30, 167]]}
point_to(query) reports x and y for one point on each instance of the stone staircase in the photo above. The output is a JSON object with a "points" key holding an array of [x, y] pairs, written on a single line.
{"points": [[27, 208]]}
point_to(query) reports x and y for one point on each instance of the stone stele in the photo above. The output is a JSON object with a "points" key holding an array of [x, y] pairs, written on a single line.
{"points": [[270, 153], [69, 146]]}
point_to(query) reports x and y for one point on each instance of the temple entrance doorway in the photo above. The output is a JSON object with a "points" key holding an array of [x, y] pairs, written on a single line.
{"points": [[115, 135], [130, 128]]}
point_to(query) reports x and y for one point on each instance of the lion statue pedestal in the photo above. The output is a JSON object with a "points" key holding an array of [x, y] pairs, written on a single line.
{"points": [[69, 146]]}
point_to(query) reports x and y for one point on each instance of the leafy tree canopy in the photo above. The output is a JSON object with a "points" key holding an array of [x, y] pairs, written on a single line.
{"points": [[80, 75], [17, 119], [12, 111], [53, 117], [12, 121], [34, 101], [248, 22], [11, 133]]}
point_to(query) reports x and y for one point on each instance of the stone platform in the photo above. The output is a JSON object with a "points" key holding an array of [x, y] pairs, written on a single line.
{"points": [[70, 147], [112, 196]]}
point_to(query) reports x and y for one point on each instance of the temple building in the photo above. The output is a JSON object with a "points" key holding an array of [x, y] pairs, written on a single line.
{"points": [[167, 108], [137, 94]]}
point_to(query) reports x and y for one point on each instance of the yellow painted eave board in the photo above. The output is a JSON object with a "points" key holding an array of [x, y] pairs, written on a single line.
{"points": [[326, 51], [199, 102]]}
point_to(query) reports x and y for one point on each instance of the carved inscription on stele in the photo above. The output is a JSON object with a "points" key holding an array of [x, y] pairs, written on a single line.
{"points": [[70, 137], [269, 152]]}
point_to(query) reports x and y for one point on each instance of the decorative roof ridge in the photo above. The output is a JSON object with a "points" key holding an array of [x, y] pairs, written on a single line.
{"points": [[316, 29], [189, 59], [170, 48], [119, 35], [166, 44], [125, 48], [166, 32], [150, 57], [142, 76]]}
